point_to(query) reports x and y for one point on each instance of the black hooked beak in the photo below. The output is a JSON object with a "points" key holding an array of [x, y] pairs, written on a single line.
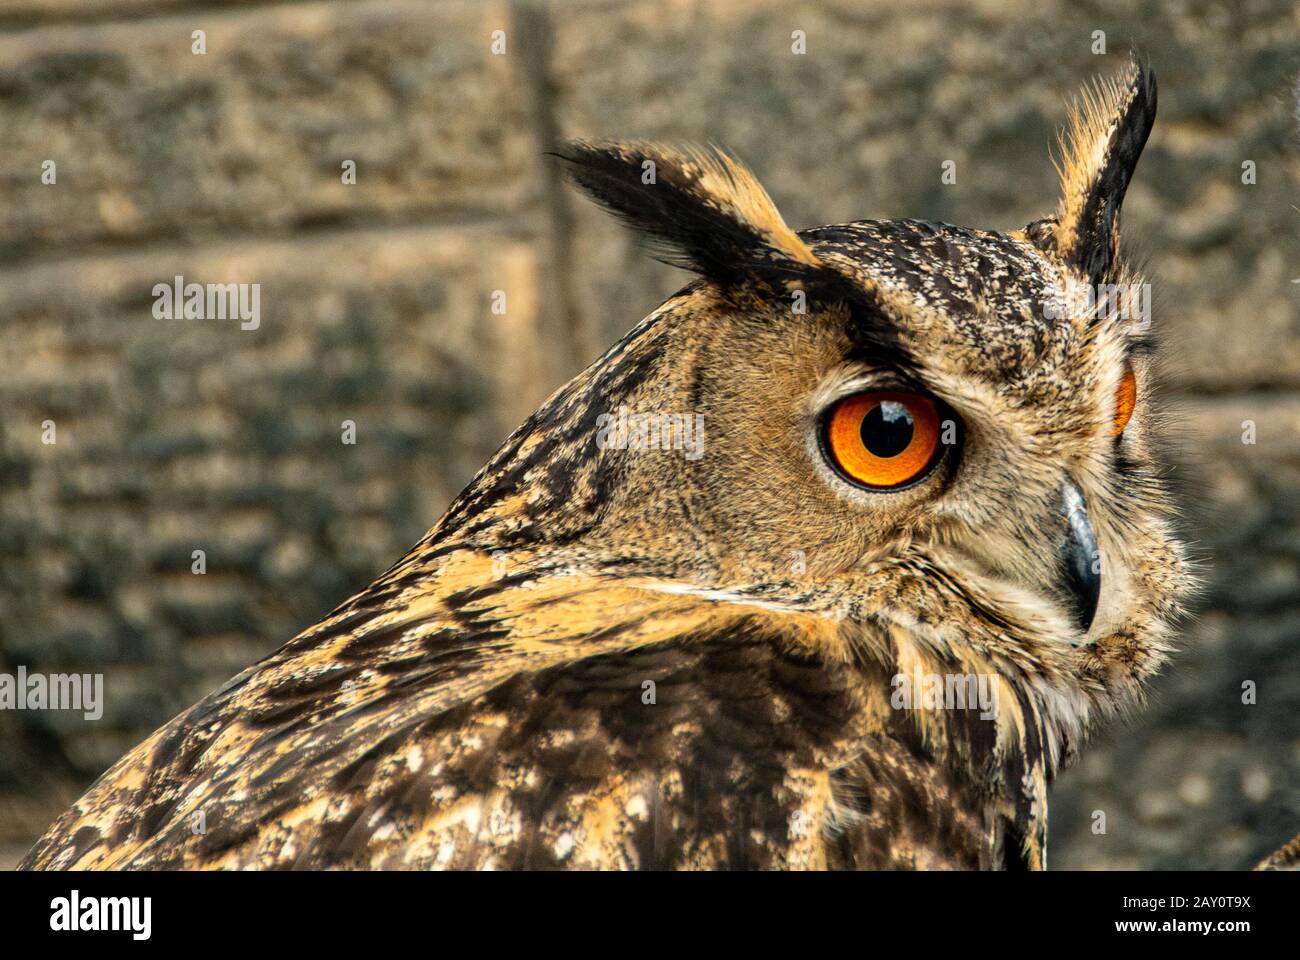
{"points": [[1080, 556]]}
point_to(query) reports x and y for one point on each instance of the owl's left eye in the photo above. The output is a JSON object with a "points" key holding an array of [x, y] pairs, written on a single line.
{"points": [[1125, 400], [883, 439]]}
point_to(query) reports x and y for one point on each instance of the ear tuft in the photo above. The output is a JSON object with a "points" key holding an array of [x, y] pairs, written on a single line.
{"points": [[698, 207], [1102, 143]]}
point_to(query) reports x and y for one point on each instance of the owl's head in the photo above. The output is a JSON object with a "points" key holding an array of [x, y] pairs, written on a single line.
{"points": [[908, 442]]}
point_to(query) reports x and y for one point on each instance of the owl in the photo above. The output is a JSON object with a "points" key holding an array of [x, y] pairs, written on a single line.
{"points": [[831, 562], [1285, 857]]}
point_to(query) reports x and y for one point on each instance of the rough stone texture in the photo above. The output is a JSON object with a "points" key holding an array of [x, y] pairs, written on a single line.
{"points": [[155, 143], [376, 302]]}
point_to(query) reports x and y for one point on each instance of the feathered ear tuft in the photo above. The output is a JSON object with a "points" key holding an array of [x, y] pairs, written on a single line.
{"points": [[698, 208], [1102, 143]]}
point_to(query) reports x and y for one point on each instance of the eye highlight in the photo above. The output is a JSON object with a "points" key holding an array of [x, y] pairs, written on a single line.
{"points": [[883, 439], [1125, 400]]}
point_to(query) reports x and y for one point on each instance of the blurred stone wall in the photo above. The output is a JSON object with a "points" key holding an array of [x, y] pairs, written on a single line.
{"points": [[376, 299]]}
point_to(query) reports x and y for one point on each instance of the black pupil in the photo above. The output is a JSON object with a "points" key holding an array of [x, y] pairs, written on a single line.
{"points": [[887, 429]]}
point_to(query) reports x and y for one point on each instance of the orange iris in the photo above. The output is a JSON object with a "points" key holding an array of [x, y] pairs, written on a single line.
{"points": [[883, 438], [1125, 400]]}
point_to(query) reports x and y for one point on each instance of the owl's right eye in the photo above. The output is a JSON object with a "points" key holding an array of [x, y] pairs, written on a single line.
{"points": [[883, 439]]}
